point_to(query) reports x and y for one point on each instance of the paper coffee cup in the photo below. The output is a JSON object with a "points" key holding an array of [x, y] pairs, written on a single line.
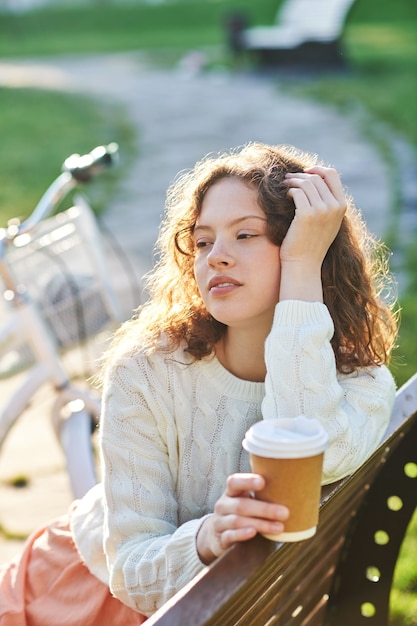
{"points": [[288, 453]]}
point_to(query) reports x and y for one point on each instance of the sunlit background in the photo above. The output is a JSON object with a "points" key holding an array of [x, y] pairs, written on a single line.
{"points": [[43, 119]]}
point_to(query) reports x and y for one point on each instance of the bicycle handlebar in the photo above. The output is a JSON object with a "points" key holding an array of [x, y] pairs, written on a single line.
{"points": [[84, 168], [76, 169]]}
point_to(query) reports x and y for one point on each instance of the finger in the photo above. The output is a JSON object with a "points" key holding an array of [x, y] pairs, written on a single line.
{"points": [[250, 508], [235, 535], [306, 193], [310, 182], [317, 192], [224, 523], [332, 178], [235, 528], [239, 484]]}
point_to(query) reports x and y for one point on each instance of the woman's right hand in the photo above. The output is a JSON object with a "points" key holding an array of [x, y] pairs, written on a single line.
{"points": [[238, 516]]}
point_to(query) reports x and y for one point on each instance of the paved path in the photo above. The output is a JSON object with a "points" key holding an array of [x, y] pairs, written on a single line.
{"points": [[179, 117]]}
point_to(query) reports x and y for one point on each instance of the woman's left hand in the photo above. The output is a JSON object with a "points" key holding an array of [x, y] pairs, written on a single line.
{"points": [[320, 205]]}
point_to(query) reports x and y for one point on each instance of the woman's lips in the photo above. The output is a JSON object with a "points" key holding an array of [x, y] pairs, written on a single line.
{"points": [[223, 285]]}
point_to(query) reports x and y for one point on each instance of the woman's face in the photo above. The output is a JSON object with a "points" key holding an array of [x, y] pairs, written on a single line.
{"points": [[236, 266]]}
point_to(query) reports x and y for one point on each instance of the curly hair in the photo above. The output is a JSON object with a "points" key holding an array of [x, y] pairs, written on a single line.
{"points": [[355, 277]]}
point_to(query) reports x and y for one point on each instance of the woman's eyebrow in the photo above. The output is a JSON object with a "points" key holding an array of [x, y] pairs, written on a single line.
{"points": [[234, 222]]}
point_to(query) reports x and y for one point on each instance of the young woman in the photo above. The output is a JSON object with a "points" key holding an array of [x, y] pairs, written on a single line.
{"points": [[265, 302]]}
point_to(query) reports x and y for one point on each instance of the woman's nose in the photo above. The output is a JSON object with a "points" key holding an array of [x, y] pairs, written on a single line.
{"points": [[219, 255]]}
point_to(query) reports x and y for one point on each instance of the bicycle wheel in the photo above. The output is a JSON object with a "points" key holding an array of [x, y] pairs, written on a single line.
{"points": [[76, 440]]}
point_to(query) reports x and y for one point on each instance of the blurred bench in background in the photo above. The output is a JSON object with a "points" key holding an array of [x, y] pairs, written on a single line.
{"points": [[340, 577], [306, 32]]}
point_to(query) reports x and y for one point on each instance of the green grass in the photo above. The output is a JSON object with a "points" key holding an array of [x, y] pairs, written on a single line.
{"points": [[405, 359], [175, 25], [381, 47], [39, 130], [404, 594]]}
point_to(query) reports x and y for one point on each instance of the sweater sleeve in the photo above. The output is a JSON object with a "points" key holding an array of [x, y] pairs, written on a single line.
{"points": [[149, 554], [302, 380]]}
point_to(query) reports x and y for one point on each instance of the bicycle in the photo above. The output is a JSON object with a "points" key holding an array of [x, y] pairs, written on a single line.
{"points": [[57, 287]]}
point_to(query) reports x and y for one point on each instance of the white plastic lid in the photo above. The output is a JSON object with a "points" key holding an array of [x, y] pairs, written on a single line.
{"points": [[288, 438]]}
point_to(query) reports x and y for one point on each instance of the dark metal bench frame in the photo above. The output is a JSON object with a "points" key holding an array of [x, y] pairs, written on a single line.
{"points": [[334, 577]]}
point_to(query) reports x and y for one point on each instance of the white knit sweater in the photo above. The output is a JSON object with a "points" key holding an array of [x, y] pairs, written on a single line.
{"points": [[171, 433]]}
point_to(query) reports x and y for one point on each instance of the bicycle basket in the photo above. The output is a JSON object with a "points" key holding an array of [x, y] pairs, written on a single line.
{"points": [[63, 267]]}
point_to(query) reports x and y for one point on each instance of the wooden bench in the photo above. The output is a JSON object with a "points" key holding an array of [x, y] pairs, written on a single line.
{"points": [[340, 577], [306, 32]]}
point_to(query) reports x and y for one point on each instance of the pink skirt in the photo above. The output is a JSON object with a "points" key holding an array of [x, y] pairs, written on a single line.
{"points": [[49, 585]]}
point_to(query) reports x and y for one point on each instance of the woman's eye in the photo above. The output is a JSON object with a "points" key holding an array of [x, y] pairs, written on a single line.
{"points": [[246, 235], [202, 244]]}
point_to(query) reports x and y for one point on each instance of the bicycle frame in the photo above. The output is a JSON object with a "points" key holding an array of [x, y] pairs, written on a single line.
{"points": [[27, 328], [75, 411]]}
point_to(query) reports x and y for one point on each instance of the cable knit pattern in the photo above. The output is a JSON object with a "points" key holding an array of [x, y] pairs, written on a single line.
{"points": [[302, 380], [171, 433]]}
